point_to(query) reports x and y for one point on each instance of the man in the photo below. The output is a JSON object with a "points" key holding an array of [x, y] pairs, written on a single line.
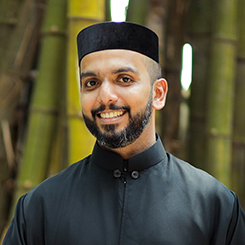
{"points": [[129, 191]]}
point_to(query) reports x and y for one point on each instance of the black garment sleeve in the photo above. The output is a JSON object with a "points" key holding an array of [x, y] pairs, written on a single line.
{"points": [[236, 232], [16, 232]]}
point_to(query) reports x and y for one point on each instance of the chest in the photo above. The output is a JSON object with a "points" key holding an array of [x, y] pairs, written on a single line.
{"points": [[148, 210]]}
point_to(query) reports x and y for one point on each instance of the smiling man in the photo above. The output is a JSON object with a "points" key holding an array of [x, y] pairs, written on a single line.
{"points": [[129, 190], [118, 101]]}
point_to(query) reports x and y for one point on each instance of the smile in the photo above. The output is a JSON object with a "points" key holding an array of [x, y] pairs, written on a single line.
{"points": [[108, 115]]}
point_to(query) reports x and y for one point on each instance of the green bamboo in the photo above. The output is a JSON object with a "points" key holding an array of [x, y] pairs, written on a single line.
{"points": [[199, 32], [156, 20], [59, 151], [16, 63], [18, 57], [9, 10], [4, 176], [172, 70], [238, 156], [107, 10], [8, 21], [44, 107], [137, 11], [221, 89], [80, 15]]}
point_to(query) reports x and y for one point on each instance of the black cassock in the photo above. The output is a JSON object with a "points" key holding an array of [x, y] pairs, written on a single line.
{"points": [[152, 198]]}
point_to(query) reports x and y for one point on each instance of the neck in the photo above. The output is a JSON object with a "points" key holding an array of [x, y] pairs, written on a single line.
{"points": [[134, 148]]}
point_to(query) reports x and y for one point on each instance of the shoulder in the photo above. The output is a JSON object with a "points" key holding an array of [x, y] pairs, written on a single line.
{"points": [[191, 173], [204, 192], [58, 184], [199, 181]]}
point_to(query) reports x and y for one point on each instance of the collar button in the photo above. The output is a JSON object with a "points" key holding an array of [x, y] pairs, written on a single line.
{"points": [[117, 173], [135, 174]]}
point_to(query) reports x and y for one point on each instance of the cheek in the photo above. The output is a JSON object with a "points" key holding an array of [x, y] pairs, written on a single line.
{"points": [[138, 97], [86, 104]]}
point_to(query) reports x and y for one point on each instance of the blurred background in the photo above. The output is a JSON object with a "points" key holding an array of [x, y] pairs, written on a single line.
{"points": [[202, 54]]}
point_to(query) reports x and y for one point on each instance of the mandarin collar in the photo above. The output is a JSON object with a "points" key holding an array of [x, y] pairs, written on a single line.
{"points": [[139, 162]]}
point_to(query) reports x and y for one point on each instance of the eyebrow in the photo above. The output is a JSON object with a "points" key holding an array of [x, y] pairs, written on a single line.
{"points": [[120, 70], [87, 74], [125, 69]]}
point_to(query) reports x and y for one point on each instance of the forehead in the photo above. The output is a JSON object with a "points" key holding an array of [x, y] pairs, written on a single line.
{"points": [[113, 58]]}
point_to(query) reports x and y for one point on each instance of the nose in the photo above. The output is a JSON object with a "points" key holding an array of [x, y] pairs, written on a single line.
{"points": [[107, 93]]}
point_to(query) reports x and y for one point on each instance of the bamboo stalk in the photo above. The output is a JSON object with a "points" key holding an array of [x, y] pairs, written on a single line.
{"points": [[80, 15], [137, 11], [8, 21], [174, 43], [221, 90], [199, 32], [8, 143], [108, 10], [156, 21], [4, 175], [59, 149], [44, 107], [13, 75], [238, 156]]}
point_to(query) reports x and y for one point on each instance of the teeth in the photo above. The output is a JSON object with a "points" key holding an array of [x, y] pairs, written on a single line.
{"points": [[111, 114]]}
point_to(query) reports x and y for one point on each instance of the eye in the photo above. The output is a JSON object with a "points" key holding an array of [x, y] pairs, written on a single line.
{"points": [[125, 80], [91, 83]]}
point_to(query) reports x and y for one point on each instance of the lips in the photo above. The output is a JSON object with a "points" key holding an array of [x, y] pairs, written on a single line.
{"points": [[109, 115]]}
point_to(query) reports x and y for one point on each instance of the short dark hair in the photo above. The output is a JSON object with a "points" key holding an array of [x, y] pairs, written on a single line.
{"points": [[154, 69]]}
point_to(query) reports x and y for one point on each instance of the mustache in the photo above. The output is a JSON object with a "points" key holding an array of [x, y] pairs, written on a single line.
{"points": [[111, 107]]}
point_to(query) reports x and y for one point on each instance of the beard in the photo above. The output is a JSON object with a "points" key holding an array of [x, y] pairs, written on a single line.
{"points": [[116, 139]]}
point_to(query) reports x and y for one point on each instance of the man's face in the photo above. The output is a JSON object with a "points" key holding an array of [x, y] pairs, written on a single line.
{"points": [[116, 96]]}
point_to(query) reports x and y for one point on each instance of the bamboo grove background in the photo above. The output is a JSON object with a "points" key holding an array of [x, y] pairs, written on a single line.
{"points": [[41, 128]]}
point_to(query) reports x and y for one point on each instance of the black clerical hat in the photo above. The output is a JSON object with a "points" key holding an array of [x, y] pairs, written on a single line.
{"points": [[113, 35]]}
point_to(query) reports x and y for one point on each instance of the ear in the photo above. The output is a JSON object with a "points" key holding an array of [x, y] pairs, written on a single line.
{"points": [[160, 89]]}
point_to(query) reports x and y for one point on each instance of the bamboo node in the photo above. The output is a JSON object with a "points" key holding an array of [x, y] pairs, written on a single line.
{"points": [[214, 131], [44, 110], [224, 39], [75, 115], [54, 29], [10, 21], [81, 18], [241, 59], [27, 184]]}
